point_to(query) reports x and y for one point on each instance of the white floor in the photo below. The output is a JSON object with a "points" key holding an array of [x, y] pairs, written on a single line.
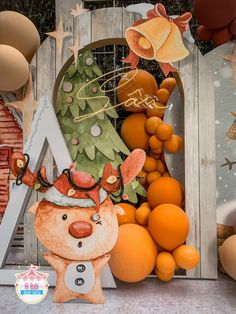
{"points": [[149, 296]]}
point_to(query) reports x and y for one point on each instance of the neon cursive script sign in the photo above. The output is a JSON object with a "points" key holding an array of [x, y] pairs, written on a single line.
{"points": [[136, 99]]}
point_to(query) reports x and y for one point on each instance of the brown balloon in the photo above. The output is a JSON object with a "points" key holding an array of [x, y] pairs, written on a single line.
{"points": [[18, 31], [14, 69], [204, 34], [214, 14], [221, 36], [227, 252], [233, 27]]}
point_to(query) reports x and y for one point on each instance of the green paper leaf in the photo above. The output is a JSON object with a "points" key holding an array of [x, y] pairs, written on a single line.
{"points": [[74, 109], [71, 71], [90, 151], [64, 109]]}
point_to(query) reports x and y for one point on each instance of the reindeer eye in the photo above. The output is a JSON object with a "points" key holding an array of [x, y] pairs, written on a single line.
{"points": [[64, 217], [95, 217]]}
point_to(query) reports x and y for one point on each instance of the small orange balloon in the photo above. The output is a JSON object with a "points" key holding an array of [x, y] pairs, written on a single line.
{"points": [[168, 83], [151, 124], [164, 277], [165, 263], [150, 164], [186, 256], [129, 215], [158, 110], [173, 144], [163, 95], [155, 143], [164, 131]]}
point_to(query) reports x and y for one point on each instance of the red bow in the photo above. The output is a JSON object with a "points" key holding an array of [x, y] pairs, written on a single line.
{"points": [[182, 22]]}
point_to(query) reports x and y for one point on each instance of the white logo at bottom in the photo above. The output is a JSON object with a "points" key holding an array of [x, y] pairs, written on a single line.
{"points": [[31, 286]]}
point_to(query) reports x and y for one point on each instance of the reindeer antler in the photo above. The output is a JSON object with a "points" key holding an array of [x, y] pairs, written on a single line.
{"points": [[19, 166]]}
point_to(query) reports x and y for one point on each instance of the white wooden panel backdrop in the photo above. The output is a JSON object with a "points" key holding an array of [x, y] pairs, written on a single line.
{"points": [[199, 125]]}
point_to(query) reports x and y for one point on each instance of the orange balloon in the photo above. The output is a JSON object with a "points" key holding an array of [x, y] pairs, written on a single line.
{"points": [[152, 176], [173, 144], [134, 255], [142, 215], [164, 277], [152, 124], [186, 256], [129, 215], [169, 226], [137, 84], [165, 190], [163, 95], [150, 164], [157, 111], [155, 143], [164, 131], [133, 131], [165, 263], [168, 83]]}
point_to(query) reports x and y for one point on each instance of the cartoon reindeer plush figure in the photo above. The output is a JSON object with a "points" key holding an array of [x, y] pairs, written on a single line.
{"points": [[76, 221]]}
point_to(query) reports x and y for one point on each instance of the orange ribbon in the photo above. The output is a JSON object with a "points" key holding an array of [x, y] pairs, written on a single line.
{"points": [[182, 22]]}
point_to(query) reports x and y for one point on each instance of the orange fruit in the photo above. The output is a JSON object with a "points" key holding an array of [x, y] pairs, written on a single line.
{"points": [[155, 143], [163, 157], [161, 167], [174, 144], [142, 177], [152, 124], [129, 215], [163, 95], [166, 174], [165, 190], [150, 164], [154, 175], [164, 277], [169, 226], [133, 131], [142, 215], [136, 85], [186, 256], [134, 254], [168, 83], [158, 110], [164, 131], [165, 263]]}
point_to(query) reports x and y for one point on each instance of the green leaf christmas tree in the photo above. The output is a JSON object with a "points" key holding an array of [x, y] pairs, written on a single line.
{"points": [[90, 136]]}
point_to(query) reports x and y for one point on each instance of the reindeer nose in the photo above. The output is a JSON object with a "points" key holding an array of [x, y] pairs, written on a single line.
{"points": [[80, 229]]}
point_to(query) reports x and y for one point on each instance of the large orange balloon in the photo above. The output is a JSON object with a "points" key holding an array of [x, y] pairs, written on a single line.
{"points": [[137, 84], [169, 226], [18, 31], [165, 190], [134, 255], [133, 131]]}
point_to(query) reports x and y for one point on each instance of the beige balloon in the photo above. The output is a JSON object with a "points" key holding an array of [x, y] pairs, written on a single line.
{"points": [[18, 31], [234, 226], [14, 69], [227, 252]]}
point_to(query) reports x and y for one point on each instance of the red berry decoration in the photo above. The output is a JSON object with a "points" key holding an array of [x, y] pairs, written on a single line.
{"points": [[204, 33]]}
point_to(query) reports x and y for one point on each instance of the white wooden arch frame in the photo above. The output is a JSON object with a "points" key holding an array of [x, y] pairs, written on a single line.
{"points": [[199, 116]]}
